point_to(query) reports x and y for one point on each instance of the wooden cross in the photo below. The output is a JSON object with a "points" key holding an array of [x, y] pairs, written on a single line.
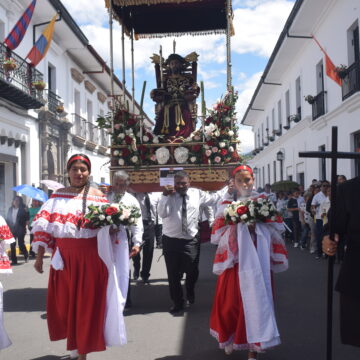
{"points": [[334, 155]]}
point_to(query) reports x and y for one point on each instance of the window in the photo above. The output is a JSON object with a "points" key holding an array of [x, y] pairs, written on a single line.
{"points": [[52, 78], [353, 43], [287, 108], [77, 102], [273, 119], [320, 77], [357, 149], [279, 115], [274, 164], [322, 167], [298, 96], [262, 134], [268, 171], [89, 111], [301, 179], [2, 30]]}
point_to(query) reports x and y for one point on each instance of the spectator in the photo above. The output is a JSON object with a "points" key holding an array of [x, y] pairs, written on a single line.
{"points": [[269, 194], [316, 202], [33, 210], [18, 219], [341, 179], [293, 207]]}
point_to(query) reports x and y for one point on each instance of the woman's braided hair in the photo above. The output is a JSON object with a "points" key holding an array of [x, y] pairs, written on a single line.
{"points": [[86, 161]]}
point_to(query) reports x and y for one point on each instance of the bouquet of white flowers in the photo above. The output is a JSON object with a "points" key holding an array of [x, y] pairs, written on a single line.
{"points": [[251, 211], [109, 214]]}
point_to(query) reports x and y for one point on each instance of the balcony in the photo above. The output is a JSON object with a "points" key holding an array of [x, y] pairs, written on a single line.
{"points": [[103, 144], [318, 106], [55, 103], [16, 85], [351, 80], [87, 134], [79, 130], [92, 136]]}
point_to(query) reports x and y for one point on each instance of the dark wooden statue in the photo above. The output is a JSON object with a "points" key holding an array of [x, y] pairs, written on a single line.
{"points": [[175, 95]]}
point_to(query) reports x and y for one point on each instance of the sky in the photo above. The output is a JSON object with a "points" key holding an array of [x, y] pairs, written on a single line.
{"points": [[257, 23]]}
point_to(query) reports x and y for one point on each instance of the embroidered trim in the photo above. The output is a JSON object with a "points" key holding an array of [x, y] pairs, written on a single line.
{"points": [[5, 232], [79, 197], [56, 217]]}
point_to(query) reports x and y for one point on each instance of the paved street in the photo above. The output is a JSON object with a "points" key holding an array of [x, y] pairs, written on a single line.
{"points": [[153, 334]]}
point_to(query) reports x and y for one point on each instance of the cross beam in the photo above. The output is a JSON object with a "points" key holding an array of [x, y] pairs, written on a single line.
{"points": [[334, 155]]}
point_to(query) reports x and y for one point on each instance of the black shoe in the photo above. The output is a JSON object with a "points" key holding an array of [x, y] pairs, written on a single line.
{"points": [[191, 300], [176, 309], [145, 280], [136, 275]]}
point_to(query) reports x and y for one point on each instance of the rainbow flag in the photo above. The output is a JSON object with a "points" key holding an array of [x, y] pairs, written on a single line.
{"points": [[17, 33], [39, 50]]}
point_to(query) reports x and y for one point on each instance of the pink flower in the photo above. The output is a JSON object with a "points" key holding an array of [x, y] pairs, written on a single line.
{"points": [[208, 152], [215, 149], [117, 126], [153, 157], [217, 159]]}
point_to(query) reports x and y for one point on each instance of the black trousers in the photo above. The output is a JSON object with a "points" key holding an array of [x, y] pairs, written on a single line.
{"points": [[147, 251], [349, 320], [21, 241], [158, 234], [181, 256]]}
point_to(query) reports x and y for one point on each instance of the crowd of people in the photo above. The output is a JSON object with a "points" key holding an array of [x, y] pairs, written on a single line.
{"points": [[90, 267]]}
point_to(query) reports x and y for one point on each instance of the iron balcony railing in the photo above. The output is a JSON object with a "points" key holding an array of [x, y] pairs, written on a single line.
{"points": [[92, 133], [103, 138], [17, 79], [351, 80], [55, 103], [318, 106]]}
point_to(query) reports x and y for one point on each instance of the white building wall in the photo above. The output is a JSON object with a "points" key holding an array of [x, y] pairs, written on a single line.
{"points": [[308, 135]]}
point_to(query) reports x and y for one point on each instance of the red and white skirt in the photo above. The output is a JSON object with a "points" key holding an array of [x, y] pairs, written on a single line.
{"points": [[77, 296]]}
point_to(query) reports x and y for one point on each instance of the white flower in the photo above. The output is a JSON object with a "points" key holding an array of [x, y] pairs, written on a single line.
{"points": [[243, 217], [181, 155], [233, 218], [155, 140], [121, 162], [116, 153], [121, 136], [115, 205], [217, 133], [193, 159], [129, 131], [108, 218], [260, 200], [230, 133], [264, 213], [273, 218], [226, 211], [210, 129], [162, 155], [227, 119], [231, 211], [122, 217], [222, 144], [231, 149], [131, 219], [102, 217], [206, 146], [145, 138], [138, 134], [134, 159], [197, 138]]}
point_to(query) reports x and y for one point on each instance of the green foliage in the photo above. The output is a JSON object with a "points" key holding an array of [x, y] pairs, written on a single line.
{"points": [[285, 185]]}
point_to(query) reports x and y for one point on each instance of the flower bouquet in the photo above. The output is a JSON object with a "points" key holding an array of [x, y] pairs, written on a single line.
{"points": [[111, 214], [250, 211]]}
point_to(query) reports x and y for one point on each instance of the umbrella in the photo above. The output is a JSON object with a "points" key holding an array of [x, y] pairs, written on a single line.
{"points": [[104, 184], [52, 185], [31, 192]]}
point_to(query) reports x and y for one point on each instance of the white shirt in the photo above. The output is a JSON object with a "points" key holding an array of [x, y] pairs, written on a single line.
{"points": [[271, 196], [169, 208], [14, 214], [136, 230], [317, 200], [141, 198]]}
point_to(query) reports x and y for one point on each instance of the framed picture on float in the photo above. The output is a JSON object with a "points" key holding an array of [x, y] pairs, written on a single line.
{"points": [[167, 175]]}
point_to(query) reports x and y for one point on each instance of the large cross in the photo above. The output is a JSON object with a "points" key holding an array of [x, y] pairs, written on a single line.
{"points": [[334, 155]]}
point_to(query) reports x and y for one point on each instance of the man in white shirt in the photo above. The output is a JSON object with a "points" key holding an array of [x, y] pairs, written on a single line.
{"points": [[179, 209], [316, 202], [118, 193], [148, 204]]}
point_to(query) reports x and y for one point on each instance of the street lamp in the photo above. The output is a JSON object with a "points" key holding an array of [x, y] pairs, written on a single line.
{"points": [[280, 156], [255, 170]]}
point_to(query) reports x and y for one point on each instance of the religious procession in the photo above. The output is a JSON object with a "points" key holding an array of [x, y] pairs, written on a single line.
{"points": [[156, 230]]}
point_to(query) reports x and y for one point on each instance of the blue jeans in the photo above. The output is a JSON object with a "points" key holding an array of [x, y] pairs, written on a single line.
{"points": [[305, 229]]}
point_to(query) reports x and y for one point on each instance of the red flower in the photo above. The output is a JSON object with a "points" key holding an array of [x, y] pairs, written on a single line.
{"points": [[210, 143], [196, 148], [142, 148], [143, 156], [111, 210], [125, 152], [131, 122], [223, 152], [241, 210], [150, 136], [128, 139]]}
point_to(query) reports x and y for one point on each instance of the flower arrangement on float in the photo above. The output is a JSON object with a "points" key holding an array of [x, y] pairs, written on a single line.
{"points": [[251, 211], [134, 144], [111, 214]]}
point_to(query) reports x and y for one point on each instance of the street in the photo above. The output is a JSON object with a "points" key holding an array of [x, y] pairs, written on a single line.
{"points": [[154, 334]]}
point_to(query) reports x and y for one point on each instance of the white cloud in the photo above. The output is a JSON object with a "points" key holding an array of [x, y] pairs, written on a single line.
{"points": [[258, 28], [246, 137]]}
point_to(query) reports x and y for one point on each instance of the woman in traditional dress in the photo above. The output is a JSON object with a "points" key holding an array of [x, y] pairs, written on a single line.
{"points": [[6, 237], [82, 290], [242, 316]]}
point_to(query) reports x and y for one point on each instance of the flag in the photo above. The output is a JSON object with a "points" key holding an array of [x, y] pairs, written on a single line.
{"points": [[17, 33], [329, 66], [39, 50]]}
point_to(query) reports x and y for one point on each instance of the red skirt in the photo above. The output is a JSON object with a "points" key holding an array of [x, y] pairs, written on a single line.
{"points": [[77, 296], [227, 320]]}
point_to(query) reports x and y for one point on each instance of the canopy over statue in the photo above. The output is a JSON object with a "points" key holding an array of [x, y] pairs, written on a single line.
{"points": [[175, 95]]}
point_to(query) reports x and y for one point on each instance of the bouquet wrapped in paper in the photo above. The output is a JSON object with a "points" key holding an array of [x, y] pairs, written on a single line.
{"points": [[111, 214], [251, 211]]}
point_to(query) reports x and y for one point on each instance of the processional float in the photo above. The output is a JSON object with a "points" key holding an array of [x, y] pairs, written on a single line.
{"points": [[206, 146]]}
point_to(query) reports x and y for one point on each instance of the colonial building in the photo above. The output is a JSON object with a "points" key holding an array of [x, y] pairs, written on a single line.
{"points": [[39, 129], [283, 122]]}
